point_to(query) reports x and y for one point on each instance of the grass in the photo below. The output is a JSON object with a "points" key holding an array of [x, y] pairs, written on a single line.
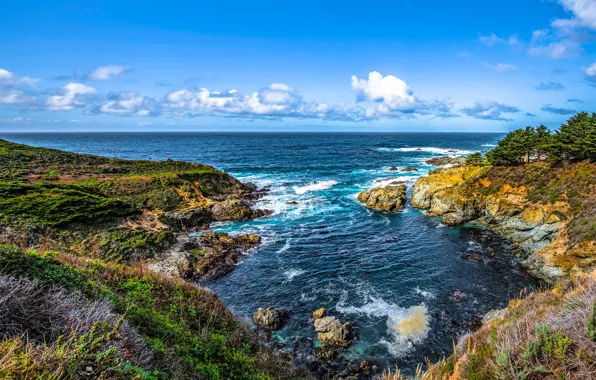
{"points": [[188, 330]]}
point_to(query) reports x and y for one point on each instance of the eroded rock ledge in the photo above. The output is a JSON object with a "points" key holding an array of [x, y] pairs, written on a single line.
{"points": [[521, 204]]}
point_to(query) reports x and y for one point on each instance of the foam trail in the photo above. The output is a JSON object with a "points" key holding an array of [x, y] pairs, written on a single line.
{"points": [[443, 151], [291, 273], [314, 186]]}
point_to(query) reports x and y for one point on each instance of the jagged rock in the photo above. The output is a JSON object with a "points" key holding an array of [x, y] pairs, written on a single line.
{"points": [[235, 209], [292, 203], [331, 332], [214, 254], [389, 198], [446, 160], [393, 168], [270, 319], [409, 169], [318, 314], [193, 219]]}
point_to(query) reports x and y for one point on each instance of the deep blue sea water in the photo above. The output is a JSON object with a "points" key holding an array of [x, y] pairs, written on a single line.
{"points": [[398, 278]]}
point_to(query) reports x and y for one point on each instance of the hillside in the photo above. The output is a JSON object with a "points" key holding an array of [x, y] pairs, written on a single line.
{"points": [[76, 234]]}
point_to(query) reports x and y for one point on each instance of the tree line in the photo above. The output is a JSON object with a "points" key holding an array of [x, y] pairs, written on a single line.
{"points": [[573, 141]]}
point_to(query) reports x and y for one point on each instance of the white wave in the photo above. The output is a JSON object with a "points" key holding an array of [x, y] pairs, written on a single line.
{"points": [[314, 186], [443, 151], [291, 273], [424, 293], [489, 145], [386, 181], [406, 326], [285, 247]]}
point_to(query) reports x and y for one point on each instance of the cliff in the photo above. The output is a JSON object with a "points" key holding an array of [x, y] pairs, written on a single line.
{"points": [[545, 211], [79, 235], [548, 213]]}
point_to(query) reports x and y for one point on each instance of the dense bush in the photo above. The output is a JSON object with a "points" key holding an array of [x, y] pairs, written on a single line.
{"points": [[575, 140]]}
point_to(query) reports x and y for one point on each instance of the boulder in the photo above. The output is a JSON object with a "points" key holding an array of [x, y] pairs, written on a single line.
{"points": [[409, 169], [235, 209], [331, 332], [389, 198], [270, 319], [318, 314]]}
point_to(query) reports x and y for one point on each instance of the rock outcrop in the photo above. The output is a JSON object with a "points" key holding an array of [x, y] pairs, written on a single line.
{"points": [[330, 331], [389, 198], [270, 319], [446, 160], [505, 200], [207, 257]]}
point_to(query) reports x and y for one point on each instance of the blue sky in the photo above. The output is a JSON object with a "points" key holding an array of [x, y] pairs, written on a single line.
{"points": [[309, 65]]}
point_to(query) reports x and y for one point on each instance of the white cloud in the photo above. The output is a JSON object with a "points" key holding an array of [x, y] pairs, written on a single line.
{"points": [[106, 72], [127, 103], [490, 110], [492, 40], [583, 11], [392, 93], [70, 96], [9, 79], [590, 73], [500, 67]]}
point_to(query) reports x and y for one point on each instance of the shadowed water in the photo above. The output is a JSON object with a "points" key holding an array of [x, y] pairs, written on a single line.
{"points": [[398, 278]]}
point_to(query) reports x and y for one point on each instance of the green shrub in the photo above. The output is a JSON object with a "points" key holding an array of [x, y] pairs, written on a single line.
{"points": [[591, 324]]}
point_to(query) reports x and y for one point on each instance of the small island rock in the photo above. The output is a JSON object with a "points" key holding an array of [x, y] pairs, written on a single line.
{"points": [[389, 198]]}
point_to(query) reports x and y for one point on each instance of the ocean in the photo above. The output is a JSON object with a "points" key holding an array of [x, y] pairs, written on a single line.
{"points": [[398, 278]]}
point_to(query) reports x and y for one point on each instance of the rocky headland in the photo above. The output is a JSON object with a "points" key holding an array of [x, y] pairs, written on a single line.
{"points": [[543, 210], [105, 242]]}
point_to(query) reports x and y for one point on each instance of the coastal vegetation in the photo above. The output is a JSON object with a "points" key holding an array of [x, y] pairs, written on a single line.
{"points": [[78, 234], [573, 141]]}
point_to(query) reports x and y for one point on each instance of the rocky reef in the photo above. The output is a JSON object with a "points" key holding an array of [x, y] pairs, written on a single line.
{"points": [[543, 210], [389, 198]]}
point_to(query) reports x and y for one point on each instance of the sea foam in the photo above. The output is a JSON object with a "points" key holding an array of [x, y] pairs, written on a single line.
{"points": [[314, 186], [428, 149], [406, 326]]}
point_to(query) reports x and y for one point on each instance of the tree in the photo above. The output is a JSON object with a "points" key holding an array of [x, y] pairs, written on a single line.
{"points": [[512, 149], [474, 159], [575, 139], [542, 140]]}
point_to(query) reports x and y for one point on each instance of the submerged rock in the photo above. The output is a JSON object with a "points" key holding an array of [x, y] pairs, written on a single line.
{"points": [[389, 198], [270, 319], [473, 256], [393, 168]]}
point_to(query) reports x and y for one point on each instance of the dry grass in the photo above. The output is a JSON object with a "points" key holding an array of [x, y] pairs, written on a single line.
{"points": [[543, 336]]}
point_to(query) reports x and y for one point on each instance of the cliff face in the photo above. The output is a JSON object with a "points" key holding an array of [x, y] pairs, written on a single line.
{"points": [[545, 211]]}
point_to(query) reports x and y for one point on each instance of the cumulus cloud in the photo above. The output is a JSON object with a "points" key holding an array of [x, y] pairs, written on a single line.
{"points": [[127, 103], [106, 72], [590, 74], [550, 86], [490, 110], [395, 98], [583, 14], [492, 40], [559, 111], [500, 67], [72, 95]]}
